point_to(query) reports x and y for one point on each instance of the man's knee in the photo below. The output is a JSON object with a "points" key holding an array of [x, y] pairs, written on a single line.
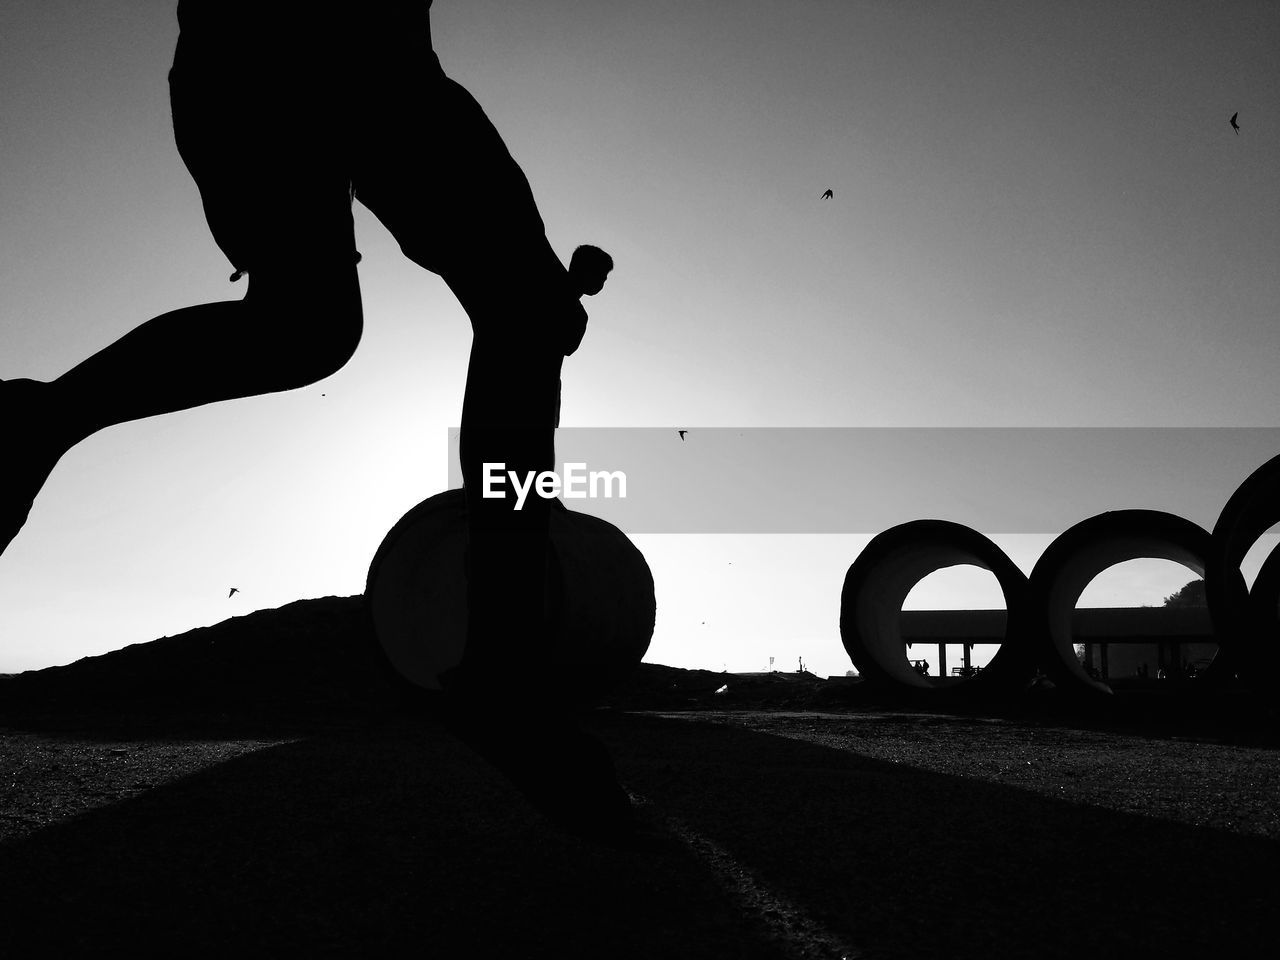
{"points": [[336, 344], [326, 334], [316, 321]]}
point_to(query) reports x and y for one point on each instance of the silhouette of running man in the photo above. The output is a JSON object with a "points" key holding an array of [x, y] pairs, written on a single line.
{"points": [[284, 113]]}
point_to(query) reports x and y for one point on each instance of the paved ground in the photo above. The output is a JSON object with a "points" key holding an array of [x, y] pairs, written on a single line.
{"points": [[774, 835]]}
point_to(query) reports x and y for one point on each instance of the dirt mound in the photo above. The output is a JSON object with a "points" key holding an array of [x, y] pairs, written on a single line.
{"points": [[310, 656]]}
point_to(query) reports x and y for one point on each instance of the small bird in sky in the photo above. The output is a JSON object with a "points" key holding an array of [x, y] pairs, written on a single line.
{"points": [[1235, 126], [828, 195], [682, 433], [234, 591]]}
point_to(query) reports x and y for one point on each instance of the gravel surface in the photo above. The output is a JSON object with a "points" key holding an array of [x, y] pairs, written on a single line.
{"points": [[782, 835], [365, 842], [44, 779], [1199, 783]]}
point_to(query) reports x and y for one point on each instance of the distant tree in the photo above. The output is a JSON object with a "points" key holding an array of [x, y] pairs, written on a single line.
{"points": [[1190, 594]]}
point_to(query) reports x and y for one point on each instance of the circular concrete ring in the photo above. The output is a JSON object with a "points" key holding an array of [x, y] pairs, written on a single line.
{"points": [[1264, 596], [601, 598], [883, 574], [1252, 510], [1084, 551], [1264, 611]]}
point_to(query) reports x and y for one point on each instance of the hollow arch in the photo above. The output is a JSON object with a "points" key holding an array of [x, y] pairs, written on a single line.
{"points": [[1252, 510], [882, 575], [1082, 552], [600, 592]]}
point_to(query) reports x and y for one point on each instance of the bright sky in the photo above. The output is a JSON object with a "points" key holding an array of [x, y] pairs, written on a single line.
{"points": [[1041, 219]]}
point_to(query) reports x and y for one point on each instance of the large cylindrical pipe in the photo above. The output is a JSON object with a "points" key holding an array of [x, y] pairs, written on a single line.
{"points": [[1085, 550], [1264, 595], [883, 574], [1252, 510], [600, 596], [1264, 612]]}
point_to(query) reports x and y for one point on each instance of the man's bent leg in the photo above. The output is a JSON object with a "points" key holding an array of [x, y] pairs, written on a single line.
{"points": [[435, 172], [507, 419], [440, 178]]}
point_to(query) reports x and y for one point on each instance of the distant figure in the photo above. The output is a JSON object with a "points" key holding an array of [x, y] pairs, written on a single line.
{"points": [[284, 114], [1235, 126], [828, 195], [589, 267], [234, 591]]}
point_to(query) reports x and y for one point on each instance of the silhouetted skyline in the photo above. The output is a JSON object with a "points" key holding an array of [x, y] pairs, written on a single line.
{"points": [[1040, 219]]}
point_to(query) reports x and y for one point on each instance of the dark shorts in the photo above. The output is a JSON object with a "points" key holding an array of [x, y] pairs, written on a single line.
{"points": [[257, 121], [283, 118]]}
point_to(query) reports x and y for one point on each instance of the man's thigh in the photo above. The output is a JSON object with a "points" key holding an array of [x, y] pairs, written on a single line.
{"points": [[435, 171], [269, 152]]}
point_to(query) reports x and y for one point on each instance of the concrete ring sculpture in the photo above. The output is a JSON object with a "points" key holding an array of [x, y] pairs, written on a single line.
{"points": [[601, 598], [1252, 510], [1085, 550], [1264, 613], [1264, 596], [883, 574]]}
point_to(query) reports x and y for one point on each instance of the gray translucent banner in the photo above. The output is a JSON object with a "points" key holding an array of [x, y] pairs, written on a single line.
{"points": [[864, 480]]}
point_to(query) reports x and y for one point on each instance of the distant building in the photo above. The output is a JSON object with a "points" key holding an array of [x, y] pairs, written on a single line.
{"points": [[1117, 643]]}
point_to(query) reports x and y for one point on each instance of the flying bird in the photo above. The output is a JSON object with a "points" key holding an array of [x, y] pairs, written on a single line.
{"points": [[1235, 126], [828, 195], [234, 591], [682, 433]]}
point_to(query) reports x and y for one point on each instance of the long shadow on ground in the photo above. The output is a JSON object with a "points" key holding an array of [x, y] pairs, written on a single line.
{"points": [[906, 863], [366, 843], [397, 840]]}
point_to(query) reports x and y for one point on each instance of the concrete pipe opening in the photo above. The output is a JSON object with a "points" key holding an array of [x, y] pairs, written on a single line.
{"points": [[1084, 551], [1264, 611], [1247, 625], [877, 585], [600, 594], [1264, 595]]}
